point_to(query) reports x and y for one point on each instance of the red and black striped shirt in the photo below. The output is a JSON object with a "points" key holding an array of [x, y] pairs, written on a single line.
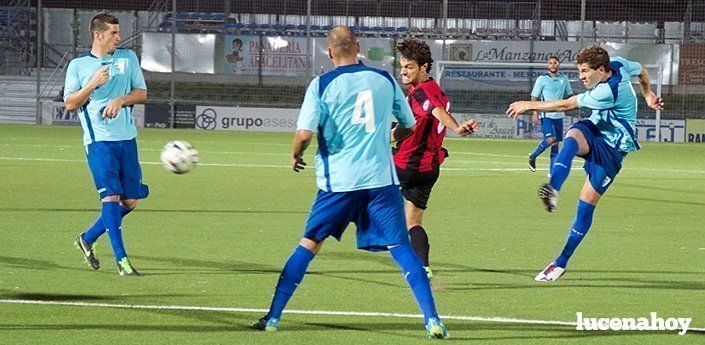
{"points": [[422, 151]]}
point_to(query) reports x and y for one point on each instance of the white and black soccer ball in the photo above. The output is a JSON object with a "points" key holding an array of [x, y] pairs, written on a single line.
{"points": [[179, 157]]}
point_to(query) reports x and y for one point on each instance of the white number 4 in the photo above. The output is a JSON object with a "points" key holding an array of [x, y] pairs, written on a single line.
{"points": [[364, 112]]}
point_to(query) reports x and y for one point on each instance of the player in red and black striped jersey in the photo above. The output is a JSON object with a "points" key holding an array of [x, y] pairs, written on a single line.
{"points": [[418, 157]]}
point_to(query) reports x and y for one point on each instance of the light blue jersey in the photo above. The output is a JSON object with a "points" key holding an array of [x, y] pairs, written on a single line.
{"points": [[548, 88], [614, 105], [125, 76], [351, 109]]}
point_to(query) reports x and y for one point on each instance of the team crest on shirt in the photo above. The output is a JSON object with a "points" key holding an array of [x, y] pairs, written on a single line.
{"points": [[426, 104], [119, 66]]}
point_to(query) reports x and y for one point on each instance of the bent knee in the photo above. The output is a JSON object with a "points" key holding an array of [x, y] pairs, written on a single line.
{"points": [[130, 204]]}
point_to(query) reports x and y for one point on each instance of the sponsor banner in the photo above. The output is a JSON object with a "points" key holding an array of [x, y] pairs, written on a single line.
{"points": [[55, 113], [695, 131], [539, 51], [527, 129], [497, 126], [275, 55], [374, 52], [194, 53], [246, 119], [671, 130], [504, 75], [158, 115], [511, 51], [692, 64]]}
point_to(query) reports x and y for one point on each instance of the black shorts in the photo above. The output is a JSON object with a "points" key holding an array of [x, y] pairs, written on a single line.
{"points": [[416, 186]]}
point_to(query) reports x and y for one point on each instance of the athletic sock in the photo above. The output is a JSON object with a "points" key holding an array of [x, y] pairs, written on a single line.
{"points": [[554, 154], [543, 145], [111, 216], [415, 275], [561, 167], [581, 225], [419, 242], [292, 274], [98, 228]]}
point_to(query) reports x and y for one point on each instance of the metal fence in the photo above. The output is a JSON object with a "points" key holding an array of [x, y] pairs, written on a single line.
{"points": [[264, 52]]}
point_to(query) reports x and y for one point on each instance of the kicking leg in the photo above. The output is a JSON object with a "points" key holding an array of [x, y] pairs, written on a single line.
{"points": [[574, 145]]}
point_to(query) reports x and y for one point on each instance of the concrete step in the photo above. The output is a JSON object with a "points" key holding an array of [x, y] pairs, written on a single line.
{"points": [[18, 120]]}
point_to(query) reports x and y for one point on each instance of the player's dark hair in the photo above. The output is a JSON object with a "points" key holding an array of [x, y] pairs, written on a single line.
{"points": [[100, 22], [554, 58], [419, 51], [595, 56]]}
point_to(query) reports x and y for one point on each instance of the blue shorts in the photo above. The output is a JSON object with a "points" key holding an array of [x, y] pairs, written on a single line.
{"points": [[116, 169], [603, 162], [378, 214], [552, 128]]}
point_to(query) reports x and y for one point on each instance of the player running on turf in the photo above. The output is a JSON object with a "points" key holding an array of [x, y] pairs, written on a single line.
{"points": [[103, 85], [418, 157], [551, 86], [603, 140], [351, 108]]}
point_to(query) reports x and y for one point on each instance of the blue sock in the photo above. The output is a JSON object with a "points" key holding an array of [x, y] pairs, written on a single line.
{"points": [[415, 275], [561, 167], [292, 274], [112, 220], [554, 154], [581, 225], [543, 145], [98, 228]]}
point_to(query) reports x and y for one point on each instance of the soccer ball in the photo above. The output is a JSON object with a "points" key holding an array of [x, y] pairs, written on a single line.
{"points": [[179, 157]]}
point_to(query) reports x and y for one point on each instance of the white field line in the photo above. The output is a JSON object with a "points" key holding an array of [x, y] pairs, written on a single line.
{"points": [[252, 165], [288, 167], [301, 312]]}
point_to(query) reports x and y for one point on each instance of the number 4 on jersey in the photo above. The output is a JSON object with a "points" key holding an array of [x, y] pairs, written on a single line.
{"points": [[364, 112]]}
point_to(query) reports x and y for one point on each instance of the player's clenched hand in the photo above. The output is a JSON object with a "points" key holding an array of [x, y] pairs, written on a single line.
{"points": [[517, 108], [654, 102], [468, 127], [298, 164], [113, 108], [100, 77]]}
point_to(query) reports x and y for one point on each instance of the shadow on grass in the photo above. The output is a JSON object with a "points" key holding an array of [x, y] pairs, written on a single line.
{"points": [[147, 210], [480, 332]]}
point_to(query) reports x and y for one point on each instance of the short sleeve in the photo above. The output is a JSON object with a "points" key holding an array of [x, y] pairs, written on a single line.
{"points": [[632, 67], [538, 86], [311, 109], [568, 90], [136, 76], [401, 109], [598, 98], [72, 82]]}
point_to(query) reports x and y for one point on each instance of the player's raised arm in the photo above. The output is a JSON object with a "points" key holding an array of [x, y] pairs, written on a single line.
{"points": [[75, 95], [466, 128], [652, 100], [517, 108]]}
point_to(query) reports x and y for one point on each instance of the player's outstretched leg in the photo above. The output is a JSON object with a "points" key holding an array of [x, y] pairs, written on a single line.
{"points": [[292, 274], [548, 193], [580, 228], [543, 145], [84, 242], [419, 242], [415, 275]]}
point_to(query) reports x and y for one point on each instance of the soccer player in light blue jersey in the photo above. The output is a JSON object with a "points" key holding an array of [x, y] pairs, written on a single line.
{"points": [[103, 86], [551, 86], [350, 109], [603, 140]]}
